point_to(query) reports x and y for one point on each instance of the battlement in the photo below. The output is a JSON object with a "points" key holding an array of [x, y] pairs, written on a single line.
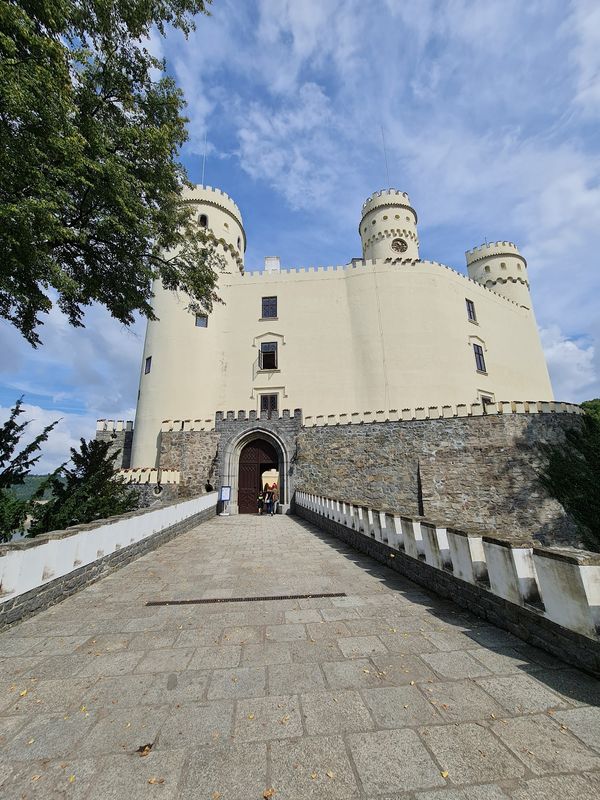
{"points": [[114, 425], [201, 194], [492, 249], [141, 475], [444, 412], [383, 196]]}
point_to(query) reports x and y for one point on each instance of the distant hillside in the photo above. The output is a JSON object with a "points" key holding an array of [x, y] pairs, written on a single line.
{"points": [[24, 491]]}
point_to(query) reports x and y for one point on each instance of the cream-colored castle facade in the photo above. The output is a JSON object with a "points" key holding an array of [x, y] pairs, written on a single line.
{"points": [[386, 331]]}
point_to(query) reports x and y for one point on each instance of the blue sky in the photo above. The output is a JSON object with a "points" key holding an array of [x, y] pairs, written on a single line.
{"points": [[490, 112]]}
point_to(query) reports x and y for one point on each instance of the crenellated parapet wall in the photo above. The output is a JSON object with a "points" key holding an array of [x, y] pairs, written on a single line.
{"points": [[548, 597], [444, 412], [148, 475], [119, 434]]}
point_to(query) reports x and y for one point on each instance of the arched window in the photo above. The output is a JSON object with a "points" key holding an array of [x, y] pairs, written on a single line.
{"points": [[203, 221], [502, 265], [239, 243], [487, 268]]}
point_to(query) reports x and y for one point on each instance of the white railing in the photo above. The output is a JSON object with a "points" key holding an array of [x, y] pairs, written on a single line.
{"points": [[559, 584], [30, 563]]}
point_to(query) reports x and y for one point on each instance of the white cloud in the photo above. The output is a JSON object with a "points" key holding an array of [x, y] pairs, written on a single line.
{"points": [[571, 366], [66, 434], [585, 23]]}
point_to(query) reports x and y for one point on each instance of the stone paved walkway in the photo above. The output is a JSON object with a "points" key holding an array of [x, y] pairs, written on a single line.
{"points": [[386, 693]]}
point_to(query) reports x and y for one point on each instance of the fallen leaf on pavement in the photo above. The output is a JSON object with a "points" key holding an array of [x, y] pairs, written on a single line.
{"points": [[330, 774], [268, 793], [444, 773], [156, 780]]}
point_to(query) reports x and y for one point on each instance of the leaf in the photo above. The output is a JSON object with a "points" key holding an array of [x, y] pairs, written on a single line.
{"points": [[330, 774], [35, 777], [156, 780], [144, 750], [71, 778], [268, 793], [23, 693], [250, 716], [313, 775], [444, 773], [216, 796]]}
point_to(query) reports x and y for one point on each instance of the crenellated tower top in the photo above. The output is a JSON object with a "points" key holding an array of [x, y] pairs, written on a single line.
{"points": [[388, 226], [500, 267]]}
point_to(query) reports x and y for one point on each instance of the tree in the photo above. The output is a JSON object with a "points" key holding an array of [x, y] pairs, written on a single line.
{"points": [[572, 474], [14, 468], [88, 491], [90, 129]]}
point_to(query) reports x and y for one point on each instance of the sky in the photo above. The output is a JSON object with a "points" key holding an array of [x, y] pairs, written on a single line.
{"points": [[490, 113]]}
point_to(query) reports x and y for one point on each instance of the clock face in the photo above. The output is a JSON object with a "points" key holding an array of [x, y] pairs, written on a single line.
{"points": [[399, 245]]}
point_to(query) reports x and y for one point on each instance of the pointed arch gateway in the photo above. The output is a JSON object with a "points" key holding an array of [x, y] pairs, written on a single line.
{"points": [[247, 458]]}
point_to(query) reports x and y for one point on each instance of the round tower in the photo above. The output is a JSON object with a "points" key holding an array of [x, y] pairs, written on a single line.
{"points": [[216, 211], [388, 226], [500, 267], [182, 347]]}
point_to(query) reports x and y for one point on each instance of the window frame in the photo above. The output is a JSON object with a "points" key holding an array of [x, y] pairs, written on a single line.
{"points": [[147, 365], [479, 353], [265, 303], [201, 223], [201, 316], [270, 407], [269, 349], [471, 310]]}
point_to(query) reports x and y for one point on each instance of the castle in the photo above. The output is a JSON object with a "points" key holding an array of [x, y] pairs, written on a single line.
{"points": [[385, 338]]}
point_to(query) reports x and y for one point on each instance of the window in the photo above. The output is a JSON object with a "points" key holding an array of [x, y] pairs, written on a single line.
{"points": [[268, 355], [239, 242], [479, 359], [268, 403], [201, 321], [486, 400], [269, 307], [472, 316], [148, 365], [203, 221]]}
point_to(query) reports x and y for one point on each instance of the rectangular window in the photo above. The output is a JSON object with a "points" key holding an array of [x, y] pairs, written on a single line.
{"points": [[486, 400], [269, 307], [471, 310], [268, 403], [201, 321], [268, 355], [148, 365], [479, 359]]}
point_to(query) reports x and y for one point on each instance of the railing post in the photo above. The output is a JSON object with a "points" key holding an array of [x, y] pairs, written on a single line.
{"points": [[570, 587], [511, 570], [468, 558]]}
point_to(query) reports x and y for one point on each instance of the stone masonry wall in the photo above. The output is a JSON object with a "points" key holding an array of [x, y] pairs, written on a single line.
{"points": [[473, 472], [119, 440], [194, 454]]}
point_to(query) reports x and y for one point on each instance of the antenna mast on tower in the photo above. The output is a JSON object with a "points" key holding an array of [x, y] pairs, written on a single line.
{"points": [[204, 158], [387, 171]]}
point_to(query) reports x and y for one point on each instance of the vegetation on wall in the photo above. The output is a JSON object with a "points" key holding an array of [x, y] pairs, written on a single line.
{"points": [[90, 181], [572, 474]]}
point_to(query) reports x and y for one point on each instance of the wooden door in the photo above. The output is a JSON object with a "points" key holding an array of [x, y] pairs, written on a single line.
{"points": [[256, 457]]}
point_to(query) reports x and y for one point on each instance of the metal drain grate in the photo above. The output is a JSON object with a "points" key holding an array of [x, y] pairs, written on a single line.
{"points": [[240, 599]]}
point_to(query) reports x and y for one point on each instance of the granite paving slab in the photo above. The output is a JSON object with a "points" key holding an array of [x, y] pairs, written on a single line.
{"points": [[387, 693]]}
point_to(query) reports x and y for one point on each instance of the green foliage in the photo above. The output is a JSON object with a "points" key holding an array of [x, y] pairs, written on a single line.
{"points": [[90, 130], [592, 407], [14, 468], [30, 486], [572, 474], [86, 492]]}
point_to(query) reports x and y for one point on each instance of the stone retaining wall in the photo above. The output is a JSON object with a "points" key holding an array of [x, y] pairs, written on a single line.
{"points": [[473, 471]]}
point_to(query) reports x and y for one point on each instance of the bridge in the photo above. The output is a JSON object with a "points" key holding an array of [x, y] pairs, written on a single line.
{"points": [[256, 657]]}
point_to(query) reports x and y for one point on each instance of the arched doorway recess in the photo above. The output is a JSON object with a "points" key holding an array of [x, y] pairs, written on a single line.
{"points": [[269, 446], [257, 457]]}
